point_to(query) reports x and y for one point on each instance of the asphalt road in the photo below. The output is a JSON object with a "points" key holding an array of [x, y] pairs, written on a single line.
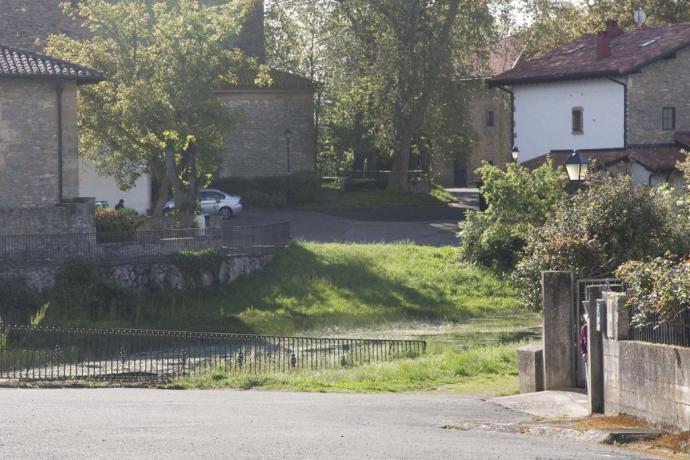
{"points": [[134, 423], [328, 228]]}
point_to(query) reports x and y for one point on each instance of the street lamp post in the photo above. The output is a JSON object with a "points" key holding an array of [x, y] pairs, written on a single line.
{"points": [[515, 153], [288, 136], [577, 167]]}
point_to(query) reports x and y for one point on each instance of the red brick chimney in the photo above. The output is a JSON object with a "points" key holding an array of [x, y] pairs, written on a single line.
{"points": [[613, 29], [603, 45]]}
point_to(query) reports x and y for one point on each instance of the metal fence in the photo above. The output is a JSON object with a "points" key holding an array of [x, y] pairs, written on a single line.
{"points": [[32, 250], [57, 353], [674, 333]]}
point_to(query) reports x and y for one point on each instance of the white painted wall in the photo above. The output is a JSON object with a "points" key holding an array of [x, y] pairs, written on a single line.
{"points": [[91, 184], [543, 116]]}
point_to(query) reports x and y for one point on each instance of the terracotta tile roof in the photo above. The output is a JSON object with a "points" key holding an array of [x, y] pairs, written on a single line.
{"points": [[630, 51], [654, 158], [18, 63], [281, 80]]}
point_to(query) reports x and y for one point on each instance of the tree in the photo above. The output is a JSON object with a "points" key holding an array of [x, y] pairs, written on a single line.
{"points": [[157, 112], [408, 47], [553, 23]]}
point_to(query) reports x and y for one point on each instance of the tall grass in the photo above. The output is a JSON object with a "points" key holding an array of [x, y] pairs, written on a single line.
{"points": [[313, 286]]}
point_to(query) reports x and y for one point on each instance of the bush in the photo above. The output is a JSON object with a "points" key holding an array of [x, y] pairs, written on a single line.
{"points": [[18, 302], [85, 289], [298, 188], [658, 288], [596, 231], [518, 200], [120, 225]]}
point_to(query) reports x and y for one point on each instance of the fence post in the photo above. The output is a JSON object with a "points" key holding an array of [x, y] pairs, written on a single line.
{"points": [[596, 326], [558, 293]]}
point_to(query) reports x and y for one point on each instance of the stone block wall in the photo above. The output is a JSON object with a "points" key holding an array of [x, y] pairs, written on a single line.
{"points": [[658, 85], [152, 276], [74, 216], [29, 171], [257, 145]]}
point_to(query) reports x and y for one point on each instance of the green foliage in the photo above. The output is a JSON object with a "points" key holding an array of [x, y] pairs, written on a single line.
{"points": [[596, 231], [18, 302], [85, 291], [518, 201], [123, 222], [314, 286], [158, 110], [658, 288], [273, 191], [194, 264]]}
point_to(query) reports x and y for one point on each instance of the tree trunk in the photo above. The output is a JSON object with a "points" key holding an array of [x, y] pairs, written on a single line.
{"points": [[161, 195], [185, 202], [397, 182]]}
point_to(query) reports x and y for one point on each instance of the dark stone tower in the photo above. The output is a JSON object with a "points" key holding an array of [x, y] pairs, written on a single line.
{"points": [[251, 39]]}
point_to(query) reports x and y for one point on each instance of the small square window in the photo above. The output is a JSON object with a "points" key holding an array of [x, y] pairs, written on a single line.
{"points": [[578, 120], [668, 118], [490, 118]]}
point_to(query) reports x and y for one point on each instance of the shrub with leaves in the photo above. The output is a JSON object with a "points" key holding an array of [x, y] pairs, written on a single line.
{"points": [[597, 230], [122, 222], [518, 201], [658, 288]]}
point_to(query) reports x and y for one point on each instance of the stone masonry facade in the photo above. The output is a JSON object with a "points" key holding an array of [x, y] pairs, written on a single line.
{"points": [[29, 171], [658, 85], [491, 143], [257, 146]]}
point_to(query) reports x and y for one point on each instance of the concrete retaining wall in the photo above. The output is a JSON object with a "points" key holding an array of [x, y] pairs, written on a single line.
{"points": [[648, 381]]}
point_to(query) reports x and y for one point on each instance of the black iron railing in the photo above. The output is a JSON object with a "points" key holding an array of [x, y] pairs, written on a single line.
{"points": [[32, 250], [676, 332], [57, 353]]}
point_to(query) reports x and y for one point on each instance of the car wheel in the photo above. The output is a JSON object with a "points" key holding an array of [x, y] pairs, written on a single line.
{"points": [[225, 213]]}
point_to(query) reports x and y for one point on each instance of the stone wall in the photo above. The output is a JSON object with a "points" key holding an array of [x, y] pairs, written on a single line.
{"points": [[257, 145], [658, 85], [29, 142], [153, 276], [492, 143], [75, 216]]}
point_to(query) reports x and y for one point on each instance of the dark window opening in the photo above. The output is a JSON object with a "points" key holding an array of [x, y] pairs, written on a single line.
{"points": [[578, 120], [490, 118], [668, 118]]}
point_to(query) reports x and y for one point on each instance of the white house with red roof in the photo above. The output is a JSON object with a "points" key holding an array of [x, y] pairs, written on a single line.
{"points": [[620, 97]]}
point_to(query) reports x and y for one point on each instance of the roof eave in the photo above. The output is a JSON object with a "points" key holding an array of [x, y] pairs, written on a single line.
{"points": [[552, 78]]}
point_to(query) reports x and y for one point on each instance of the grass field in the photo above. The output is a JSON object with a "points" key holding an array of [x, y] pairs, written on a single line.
{"points": [[470, 318], [311, 287], [332, 197]]}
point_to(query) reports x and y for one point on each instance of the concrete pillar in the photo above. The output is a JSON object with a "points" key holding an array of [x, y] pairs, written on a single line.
{"points": [[558, 289], [617, 316], [595, 356], [531, 368]]}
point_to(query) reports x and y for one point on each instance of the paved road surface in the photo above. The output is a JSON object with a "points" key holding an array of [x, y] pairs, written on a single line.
{"points": [[327, 228], [132, 423]]}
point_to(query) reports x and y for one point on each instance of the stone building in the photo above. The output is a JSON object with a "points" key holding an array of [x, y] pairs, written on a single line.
{"points": [[38, 141], [620, 97], [490, 113], [257, 146]]}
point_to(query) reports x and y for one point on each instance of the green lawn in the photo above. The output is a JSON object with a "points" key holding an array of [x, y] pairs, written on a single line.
{"points": [[332, 197], [470, 318], [312, 286], [489, 370]]}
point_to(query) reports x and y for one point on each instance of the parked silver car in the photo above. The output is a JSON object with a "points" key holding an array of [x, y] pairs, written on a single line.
{"points": [[212, 201]]}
